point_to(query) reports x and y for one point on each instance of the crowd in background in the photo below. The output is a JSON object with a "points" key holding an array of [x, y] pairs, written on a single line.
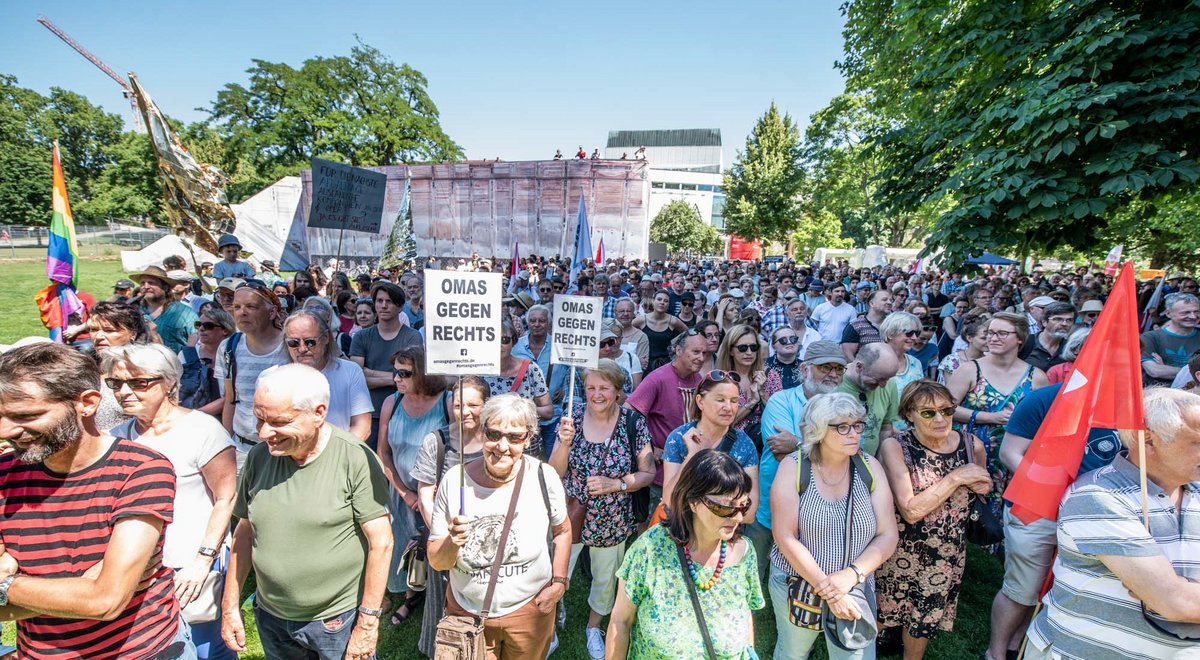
{"points": [[815, 436]]}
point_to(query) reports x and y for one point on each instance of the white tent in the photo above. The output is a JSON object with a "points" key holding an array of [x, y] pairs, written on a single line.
{"points": [[136, 261]]}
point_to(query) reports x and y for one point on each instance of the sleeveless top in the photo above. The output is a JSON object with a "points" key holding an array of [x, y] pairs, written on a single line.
{"points": [[822, 526], [660, 342]]}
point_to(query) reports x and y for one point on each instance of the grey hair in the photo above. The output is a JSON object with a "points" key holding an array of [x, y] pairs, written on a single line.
{"points": [[153, 360], [539, 308], [219, 316], [509, 406], [308, 387], [1165, 411], [1074, 343], [332, 350], [1175, 298], [898, 323], [819, 412], [321, 306]]}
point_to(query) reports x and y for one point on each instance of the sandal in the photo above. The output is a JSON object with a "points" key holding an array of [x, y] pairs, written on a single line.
{"points": [[410, 605]]}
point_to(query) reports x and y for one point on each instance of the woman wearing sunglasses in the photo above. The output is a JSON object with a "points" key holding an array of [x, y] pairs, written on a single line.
{"points": [[809, 528], [113, 324], [712, 410], [783, 368], [603, 453], [700, 543], [742, 352], [532, 573], [900, 331], [419, 407], [145, 379], [198, 386], [610, 348], [931, 478]]}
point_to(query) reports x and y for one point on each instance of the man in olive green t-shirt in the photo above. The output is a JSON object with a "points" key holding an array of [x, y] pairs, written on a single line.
{"points": [[870, 377], [312, 503]]}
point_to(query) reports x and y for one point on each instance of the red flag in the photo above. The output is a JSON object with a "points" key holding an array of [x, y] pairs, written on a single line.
{"points": [[1105, 391], [600, 253], [514, 268]]}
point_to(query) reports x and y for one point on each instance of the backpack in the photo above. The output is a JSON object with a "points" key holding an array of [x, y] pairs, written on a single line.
{"points": [[197, 385], [231, 364], [804, 474]]}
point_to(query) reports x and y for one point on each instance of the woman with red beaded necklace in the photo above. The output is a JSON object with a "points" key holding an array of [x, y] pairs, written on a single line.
{"points": [[700, 544]]}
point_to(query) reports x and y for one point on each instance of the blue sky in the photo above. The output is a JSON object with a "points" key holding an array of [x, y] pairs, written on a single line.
{"points": [[515, 79]]}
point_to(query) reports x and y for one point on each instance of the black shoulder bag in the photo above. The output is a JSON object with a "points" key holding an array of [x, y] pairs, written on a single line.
{"points": [[983, 529]]}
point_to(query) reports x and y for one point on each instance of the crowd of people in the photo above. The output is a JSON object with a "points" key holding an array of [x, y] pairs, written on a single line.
{"points": [[813, 436]]}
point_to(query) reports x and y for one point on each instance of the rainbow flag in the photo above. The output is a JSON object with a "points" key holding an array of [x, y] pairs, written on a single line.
{"points": [[57, 302]]}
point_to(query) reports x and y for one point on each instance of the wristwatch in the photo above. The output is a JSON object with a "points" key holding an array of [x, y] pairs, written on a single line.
{"points": [[624, 486], [366, 611], [4, 585], [207, 552], [862, 577], [565, 582]]}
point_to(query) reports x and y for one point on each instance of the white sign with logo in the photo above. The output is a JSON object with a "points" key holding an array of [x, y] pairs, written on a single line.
{"points": [[575, 331], [462, 322]]}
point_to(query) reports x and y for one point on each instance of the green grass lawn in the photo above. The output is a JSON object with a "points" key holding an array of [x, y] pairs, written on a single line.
{"points": [[21, 278]]}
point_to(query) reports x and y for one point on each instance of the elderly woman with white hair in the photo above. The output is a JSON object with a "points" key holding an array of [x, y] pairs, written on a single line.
{"points": [[828, 483], [145, 380], [900, 331], [516, 590]]}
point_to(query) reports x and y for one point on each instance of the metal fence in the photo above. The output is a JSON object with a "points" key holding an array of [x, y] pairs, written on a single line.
{"points": [[130, 237]]}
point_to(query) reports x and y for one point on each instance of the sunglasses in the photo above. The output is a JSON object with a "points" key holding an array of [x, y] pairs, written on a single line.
{"points": [[205, 325], [844, 429], [743, 348], [912, 334], [253, 284], [309, 342], [135, 384], [506, 340], [947, 412], [511, 438], [725, 510], [787, 341], [608, 342], [402, 373], [720, 376]]}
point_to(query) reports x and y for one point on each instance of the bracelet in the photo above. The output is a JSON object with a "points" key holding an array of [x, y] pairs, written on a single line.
{"points": [[565, 582], [366, 611]]}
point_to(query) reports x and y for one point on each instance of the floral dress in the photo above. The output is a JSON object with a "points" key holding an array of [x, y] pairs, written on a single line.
{"points": [[781, 376], [918, 585], [985, 398], [607, 519], [666, 625]]}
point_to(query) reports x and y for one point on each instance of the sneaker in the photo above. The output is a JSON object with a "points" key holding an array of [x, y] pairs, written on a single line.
{"points": [[553, 645], [595, 644]]}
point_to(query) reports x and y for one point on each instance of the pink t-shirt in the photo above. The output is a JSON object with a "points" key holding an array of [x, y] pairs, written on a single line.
{"points": [[662, 397]]}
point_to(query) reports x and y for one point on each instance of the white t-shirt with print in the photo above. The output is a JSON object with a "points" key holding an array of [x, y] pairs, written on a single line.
{"points": [[526, 567]]}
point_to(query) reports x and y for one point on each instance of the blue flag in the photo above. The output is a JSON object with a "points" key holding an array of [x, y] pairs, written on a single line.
{"points": [[583, 241]]}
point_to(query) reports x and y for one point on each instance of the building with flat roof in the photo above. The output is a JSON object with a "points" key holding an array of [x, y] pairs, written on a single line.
{"points": [[685, 164]]}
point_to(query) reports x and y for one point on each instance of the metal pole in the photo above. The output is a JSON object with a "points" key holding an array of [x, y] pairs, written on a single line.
{"points": [[462, 479]]}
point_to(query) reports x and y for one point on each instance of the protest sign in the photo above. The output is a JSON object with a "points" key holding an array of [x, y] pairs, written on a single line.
{"points": [[346, 197], [575, 331], [462, 322]]}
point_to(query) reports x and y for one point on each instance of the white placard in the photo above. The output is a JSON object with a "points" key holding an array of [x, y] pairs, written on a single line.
{"points": [[462, 322], [575, 331]]}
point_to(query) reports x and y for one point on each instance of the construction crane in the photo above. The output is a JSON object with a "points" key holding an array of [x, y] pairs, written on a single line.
{"points": [[127, 91]]}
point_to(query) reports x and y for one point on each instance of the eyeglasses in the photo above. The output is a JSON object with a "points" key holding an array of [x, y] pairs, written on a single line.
{"points": [[743, 348], [947, 412], [831, 368], [309, 342], [511, 438], [402, 373], [720, 376], [844, 429], [135, 384], [725, 510], [205, 325], [608, 342], [787, 341], [1000, 334]]}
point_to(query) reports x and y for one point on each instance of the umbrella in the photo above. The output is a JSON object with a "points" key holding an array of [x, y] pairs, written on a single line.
{"points": [[989, 259]]}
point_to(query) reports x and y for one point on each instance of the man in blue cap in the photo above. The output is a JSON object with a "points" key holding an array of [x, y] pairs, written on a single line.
{"points": [[230, 266]]}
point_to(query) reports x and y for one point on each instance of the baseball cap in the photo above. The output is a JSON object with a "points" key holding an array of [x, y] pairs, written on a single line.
{"points": [[817, 286], [737, 293], [865, 284], [123, 283], [1091, 306], [231, 283], [824, 352]]}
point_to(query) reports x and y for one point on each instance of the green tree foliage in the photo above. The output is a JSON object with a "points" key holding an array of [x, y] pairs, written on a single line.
{"points": [[679, 225], [818, 229], [1165, 228], [764, 184], [1035, 124], [363, 109]]}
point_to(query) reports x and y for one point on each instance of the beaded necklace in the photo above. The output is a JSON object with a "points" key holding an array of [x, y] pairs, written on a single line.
{"points": [[711, 582]]}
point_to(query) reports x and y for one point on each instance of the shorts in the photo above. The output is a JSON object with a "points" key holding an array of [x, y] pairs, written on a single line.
{"points": [[1029, 552]]}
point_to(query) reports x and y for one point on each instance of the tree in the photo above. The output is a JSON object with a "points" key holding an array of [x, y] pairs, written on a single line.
{"points": [[820, 229], [764, 184], [1164, 228], [363, 109], [679, 225], [1034, 123], [128, 186]]}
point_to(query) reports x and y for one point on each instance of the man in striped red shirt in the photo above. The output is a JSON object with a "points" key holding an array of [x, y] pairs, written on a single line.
{"points": [[82, 517]]}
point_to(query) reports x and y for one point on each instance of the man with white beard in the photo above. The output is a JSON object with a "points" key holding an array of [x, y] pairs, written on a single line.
{"points": [[1044, 350], [823, 367]]}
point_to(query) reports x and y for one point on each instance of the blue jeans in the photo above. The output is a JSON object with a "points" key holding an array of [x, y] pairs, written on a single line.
{"points": [[181, 647], [209, 645], [304, 640], [795, 643]]}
